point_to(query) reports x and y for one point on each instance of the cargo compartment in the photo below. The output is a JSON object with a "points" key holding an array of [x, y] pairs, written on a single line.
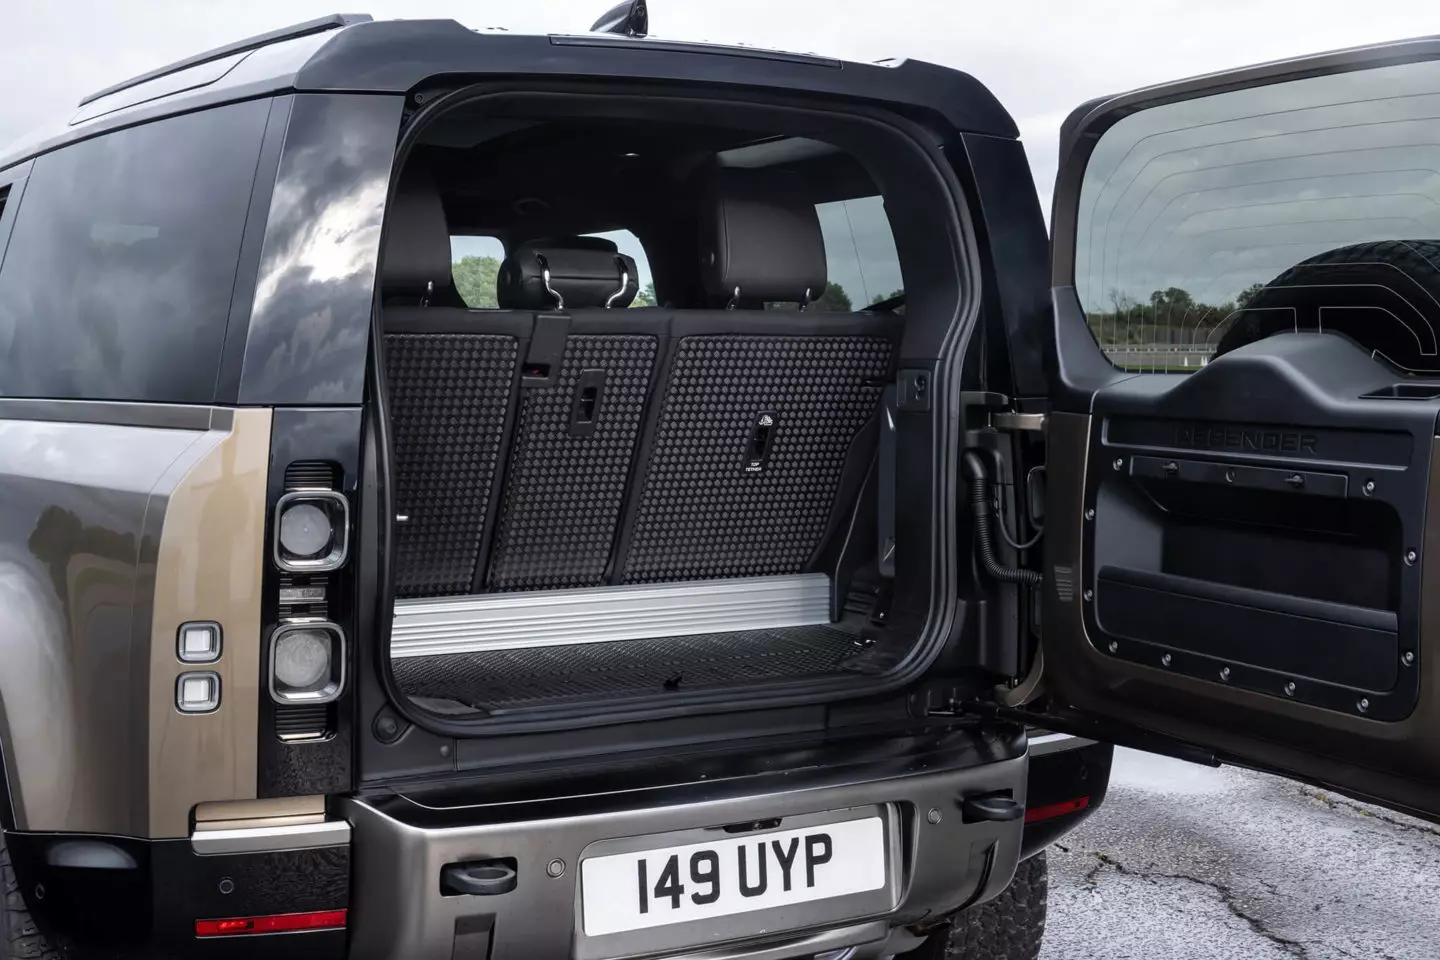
{"points": [[608, 491]]}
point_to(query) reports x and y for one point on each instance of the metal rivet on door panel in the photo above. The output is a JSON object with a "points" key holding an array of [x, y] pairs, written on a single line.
{"points": [[555, 868], [1224, 673], [1229, 476], [39, 891], [934, 815], [1090, 514], [1290, 689], [1119, 463], [1363, 705], [1166, 660], [1369, 488], [1113, 646], [1411, 556], [1408, 657], [227, 886], [1089, 595]]}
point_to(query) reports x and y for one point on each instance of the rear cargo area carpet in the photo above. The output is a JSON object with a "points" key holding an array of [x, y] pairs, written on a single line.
{"points": [[511, 679]]}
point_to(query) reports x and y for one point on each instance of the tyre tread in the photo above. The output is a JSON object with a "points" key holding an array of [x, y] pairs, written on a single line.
{"points": [[1009, 927], [20, 939]]}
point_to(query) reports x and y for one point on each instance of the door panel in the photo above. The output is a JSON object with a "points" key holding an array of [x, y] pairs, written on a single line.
{"points": [[1240, 538]]}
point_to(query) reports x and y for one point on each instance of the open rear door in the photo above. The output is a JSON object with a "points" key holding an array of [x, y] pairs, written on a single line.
{"points": [[1243, 516]]}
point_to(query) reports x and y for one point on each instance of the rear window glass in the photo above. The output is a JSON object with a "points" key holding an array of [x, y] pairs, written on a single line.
{"points": [[1310, 204], [117, 280], [860, 255], [476, 263]]}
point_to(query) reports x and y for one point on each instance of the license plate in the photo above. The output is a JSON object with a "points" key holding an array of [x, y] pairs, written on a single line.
{"points": [[652, 888]]}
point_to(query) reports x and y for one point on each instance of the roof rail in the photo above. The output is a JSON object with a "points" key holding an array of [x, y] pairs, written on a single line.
{"points": [[320, 25]]}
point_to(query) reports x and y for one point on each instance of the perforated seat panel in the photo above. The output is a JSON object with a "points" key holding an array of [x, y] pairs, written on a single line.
{"points": [[701, 513], [449, 397], [563, 491]]}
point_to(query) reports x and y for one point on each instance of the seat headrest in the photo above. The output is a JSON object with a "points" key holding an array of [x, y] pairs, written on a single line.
{"points": [[417, 246], [760, 234], [583, 271]]}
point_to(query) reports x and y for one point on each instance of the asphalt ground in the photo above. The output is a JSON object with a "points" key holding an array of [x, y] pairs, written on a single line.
{"points": [[1192, 862]]}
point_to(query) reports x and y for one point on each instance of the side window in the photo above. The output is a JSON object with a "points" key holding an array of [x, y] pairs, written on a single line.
{"points": [[1308, 205], [476, 261], [117, 281], [860, 256]]}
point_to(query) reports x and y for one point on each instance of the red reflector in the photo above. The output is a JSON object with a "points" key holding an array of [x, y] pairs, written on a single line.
{"points": [[278, 923], [1053, 810]]}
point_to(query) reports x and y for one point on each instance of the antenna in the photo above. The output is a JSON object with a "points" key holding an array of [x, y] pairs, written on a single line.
{"points": [[628, 19]]}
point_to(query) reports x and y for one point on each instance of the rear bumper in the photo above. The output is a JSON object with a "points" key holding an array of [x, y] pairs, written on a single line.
{"points": [[1067, 783], [402, 844]]}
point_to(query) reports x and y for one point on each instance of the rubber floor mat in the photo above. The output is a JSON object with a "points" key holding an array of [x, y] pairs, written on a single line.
{"points": [[512, 679]]}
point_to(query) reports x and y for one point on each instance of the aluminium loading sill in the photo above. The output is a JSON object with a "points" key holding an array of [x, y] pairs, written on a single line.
{"points": [[561, 618]]}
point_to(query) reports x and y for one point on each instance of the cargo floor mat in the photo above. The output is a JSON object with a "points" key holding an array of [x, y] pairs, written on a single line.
{"points": [[501, 680]]}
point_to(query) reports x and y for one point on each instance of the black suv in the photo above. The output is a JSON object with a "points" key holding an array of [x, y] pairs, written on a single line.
{"points": [[690, 572]]}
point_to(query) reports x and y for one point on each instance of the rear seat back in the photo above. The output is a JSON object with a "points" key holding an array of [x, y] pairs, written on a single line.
{"points": [[451, 385], [752, 436], [540, 448], [763, 413], [578, 426]]}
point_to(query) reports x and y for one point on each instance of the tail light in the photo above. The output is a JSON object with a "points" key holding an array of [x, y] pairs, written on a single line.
{"points": [[312, 531], [307, 662]]}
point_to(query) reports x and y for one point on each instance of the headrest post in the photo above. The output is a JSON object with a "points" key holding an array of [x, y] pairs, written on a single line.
{"points": [[624, 283], [545, 276], [805, 301], [734, 299], [429, 293]]}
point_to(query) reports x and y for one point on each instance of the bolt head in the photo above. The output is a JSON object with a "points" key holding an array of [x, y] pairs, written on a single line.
{"points": [[1224, 673], [934, 815], [1369, 487], [1166, 660], [1408, 657], [1113, 646], [1119, 463], [1411, 556], [555, 868], [1363, 705], [1290, 689], [226, 886], [1090, 513], [1088, 595]]}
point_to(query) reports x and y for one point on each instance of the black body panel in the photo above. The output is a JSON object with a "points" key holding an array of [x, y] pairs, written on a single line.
{"points": [[1056, 780], [322, 765], [309, 327], [145, 903]]}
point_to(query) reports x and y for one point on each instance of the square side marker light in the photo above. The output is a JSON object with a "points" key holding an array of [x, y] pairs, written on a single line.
{"points": [[198, 643], [197, 692]]}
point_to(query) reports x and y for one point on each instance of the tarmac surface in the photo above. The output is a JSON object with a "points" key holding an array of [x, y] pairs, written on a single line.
{"points": [[1187, 861]]}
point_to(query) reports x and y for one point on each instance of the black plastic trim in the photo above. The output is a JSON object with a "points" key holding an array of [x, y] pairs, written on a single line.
{"points": [[1082, 771], [145, 903], [319, 25]]}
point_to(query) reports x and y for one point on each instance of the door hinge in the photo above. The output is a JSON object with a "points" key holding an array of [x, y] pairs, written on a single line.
{"points": [[1091, 729], [1011, 420]]}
